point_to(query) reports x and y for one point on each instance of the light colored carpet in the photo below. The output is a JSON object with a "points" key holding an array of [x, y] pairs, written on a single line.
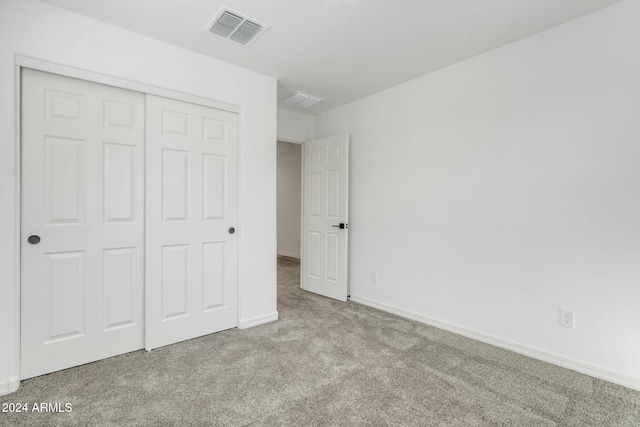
{"points": [[326, 363]]}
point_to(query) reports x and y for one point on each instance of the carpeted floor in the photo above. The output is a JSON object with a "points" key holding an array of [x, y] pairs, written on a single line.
{"points": [[326, 363]]}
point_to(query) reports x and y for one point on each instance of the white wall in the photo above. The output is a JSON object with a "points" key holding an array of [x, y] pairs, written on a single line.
{"points": [[294, 126], [289, 192], [493, 192], [44, 32]]}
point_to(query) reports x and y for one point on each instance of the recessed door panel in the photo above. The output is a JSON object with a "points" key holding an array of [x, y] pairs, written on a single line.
{"points": [[215, 184], [120, 296], [175, 185], [119, 183], [333, 194], [213, 277], [333, 257], [333, 152], [65, 293], [316, 155], [63, 105], [175, 123], [119, 115], [315, 193], [175, 279], [214, 130], [314, 254], [64, 180]]}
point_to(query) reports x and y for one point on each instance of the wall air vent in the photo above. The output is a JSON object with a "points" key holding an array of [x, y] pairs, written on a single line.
{"points": [[235, 26], [300, 99]]}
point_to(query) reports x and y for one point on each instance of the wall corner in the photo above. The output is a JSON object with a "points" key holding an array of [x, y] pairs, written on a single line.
{"points": [[9, 386]]}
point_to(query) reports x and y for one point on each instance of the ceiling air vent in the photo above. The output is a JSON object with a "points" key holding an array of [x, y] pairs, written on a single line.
{"points": [[301, 99], [235, 26]]}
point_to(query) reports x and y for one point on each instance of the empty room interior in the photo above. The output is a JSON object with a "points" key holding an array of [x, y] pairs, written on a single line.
{"points": [[319, 213]]}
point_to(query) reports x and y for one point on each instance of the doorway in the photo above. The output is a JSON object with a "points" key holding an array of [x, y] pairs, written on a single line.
{"points": [[313, 212], [289, 193]]}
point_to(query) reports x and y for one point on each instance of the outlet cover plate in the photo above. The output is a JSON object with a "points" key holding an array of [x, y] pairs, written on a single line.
{"points": [[568, 318]]}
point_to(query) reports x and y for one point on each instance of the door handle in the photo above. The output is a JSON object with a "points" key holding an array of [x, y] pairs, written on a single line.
{"points": [[232, 230], [34, 240], [341, 226]]}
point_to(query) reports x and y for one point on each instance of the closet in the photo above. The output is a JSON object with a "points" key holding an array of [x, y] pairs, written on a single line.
{"points": [[129, 209]]}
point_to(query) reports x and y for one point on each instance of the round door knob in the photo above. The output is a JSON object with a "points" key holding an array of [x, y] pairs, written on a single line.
{"points": [[232, 230], [34, 240]]}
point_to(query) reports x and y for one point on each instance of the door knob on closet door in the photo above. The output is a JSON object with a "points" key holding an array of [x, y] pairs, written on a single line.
{"points": [[33, 239], [232, 230]]}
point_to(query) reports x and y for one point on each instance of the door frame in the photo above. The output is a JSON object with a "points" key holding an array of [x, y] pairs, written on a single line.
{"points": [[81, 74]]}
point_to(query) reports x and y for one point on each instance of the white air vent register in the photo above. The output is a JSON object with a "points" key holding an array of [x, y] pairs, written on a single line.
{"points": [[235, 26], [301, 99]]}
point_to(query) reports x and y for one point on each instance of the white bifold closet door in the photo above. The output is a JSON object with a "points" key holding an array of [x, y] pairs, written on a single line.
{"points": [[191, 242], [83, 199]]}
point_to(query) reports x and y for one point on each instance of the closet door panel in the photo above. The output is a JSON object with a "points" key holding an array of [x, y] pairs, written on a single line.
{"points": [[192, 198], [82, 196]]}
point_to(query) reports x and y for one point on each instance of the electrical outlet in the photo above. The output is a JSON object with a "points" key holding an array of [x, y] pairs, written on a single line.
{"points": [[374, 277], [568, 318]]}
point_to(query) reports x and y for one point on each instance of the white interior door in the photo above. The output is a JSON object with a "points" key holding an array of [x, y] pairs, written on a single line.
{"points": [[326, 216], [82, 196], [192, 199]]}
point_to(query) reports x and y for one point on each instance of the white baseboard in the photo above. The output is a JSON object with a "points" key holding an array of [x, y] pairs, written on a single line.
{"points": [[288, 255], [260, 320], [545, 356], [9, 386]]}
